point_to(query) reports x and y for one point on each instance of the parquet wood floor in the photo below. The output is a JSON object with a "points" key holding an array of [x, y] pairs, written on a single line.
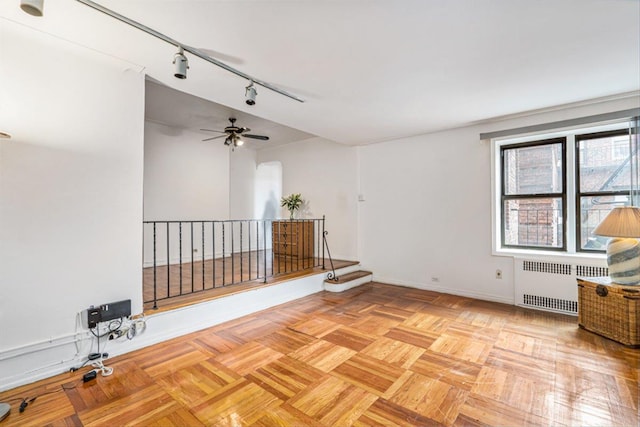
{"points": [[374, 355]]}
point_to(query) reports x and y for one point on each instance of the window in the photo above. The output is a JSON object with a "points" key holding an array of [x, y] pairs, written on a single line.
{"points": [[553, 190], [533, 194], [603, 182]]}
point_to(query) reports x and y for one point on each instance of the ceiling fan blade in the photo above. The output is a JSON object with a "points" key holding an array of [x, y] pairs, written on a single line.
{"points": [[261, 137], [213, 130], [214, 137]]}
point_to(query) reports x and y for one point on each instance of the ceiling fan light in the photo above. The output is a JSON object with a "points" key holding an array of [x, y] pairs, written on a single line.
{"points": [[239, 142], [32, 7], [181, 65], [250, 94]]}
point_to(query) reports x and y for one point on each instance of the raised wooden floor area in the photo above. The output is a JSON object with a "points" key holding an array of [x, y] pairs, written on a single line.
{"points": [[206, 288], [374, 355]]}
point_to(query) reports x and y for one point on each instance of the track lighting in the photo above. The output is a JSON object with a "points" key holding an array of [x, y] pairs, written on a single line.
{"points": [[250, 94], [32, 7], [35, 8], [181, 65]]}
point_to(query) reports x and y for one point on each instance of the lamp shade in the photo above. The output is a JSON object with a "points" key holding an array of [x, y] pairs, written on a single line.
{"points": [[623, 221]]}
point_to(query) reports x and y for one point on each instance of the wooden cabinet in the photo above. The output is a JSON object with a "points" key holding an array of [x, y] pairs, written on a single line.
{"points": [[293, 238]]}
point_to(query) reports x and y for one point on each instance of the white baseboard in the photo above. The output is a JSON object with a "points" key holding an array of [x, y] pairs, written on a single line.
{"points": [[459, 292]]}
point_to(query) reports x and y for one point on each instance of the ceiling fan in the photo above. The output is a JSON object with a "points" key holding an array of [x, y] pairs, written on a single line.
{"points": [[233, 134]]}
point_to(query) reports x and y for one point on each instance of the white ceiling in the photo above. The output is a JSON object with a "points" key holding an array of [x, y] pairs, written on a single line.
{"points": [[176, 109], [371, 70]]}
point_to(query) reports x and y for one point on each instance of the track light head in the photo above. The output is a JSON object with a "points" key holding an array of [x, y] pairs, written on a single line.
{"points": [[32, 7], [181, 65], [250, 94]]}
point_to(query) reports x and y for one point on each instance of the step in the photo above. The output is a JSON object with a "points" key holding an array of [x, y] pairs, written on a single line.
{"points": [[348, 281]]}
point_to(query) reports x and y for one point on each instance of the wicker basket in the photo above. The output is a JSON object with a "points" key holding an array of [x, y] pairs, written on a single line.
{"points": [[609, 310]]}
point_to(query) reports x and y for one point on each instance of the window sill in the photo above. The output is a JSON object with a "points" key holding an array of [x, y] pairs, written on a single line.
{"points": [[549, 255]]}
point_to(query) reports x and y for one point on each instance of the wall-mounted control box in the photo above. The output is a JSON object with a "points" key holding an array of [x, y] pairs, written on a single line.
{"points": [[105, 312]]}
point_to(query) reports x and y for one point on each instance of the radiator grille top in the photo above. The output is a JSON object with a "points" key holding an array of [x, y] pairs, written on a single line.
{"points": [[547, 267], [589, 271]]}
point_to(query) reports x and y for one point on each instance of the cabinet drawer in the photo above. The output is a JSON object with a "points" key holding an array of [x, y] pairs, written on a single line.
{"points": [[293, 238]]}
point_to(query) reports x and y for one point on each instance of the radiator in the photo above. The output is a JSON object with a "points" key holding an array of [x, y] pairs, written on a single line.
{"points": [[551, 286]]}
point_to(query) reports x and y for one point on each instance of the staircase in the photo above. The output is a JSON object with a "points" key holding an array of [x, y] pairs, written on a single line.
{"points": [[347, 281]]}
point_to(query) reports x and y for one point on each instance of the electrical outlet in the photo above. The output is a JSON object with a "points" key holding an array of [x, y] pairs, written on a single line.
{"points": [[498, 274], [435, 279]]}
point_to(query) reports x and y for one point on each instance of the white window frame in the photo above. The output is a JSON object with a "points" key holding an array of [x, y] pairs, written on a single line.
{"points": [[570, 170]]}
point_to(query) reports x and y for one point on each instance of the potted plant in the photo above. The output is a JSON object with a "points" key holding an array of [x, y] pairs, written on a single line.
{"points": [[292, 203]]}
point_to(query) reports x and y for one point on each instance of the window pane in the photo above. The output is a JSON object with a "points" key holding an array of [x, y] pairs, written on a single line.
{"points": [[533, 170], [533, 222], [592, 211], [604, 164]]}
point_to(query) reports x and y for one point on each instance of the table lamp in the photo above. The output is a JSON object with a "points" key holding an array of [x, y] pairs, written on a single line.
{"points": [[622, 224]]}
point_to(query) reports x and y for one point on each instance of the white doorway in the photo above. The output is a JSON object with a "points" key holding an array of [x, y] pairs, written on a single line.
{"points": [[268, 191], [267, 195]]}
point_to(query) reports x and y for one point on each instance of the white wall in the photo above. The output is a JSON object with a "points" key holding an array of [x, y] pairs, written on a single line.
{"points": [[184, 177], [70, 192], [242, 178], [426, 220], [326, 174]]}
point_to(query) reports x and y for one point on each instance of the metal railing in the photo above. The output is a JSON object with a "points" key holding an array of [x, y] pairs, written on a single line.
{"points": [[332, 274], [187, 257]]}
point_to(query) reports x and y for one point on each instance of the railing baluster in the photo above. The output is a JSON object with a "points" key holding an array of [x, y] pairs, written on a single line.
{"points": [[224, 259], [264, 232], [168, 264], [299, 230], [180, 254], [323, 230], [155, 297], [213, 251], [202, 255], [318, 237], [192, 269], [290, 251], [273, 250], [257, 249], [241, 261], [249, 248], [233, 256]]}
